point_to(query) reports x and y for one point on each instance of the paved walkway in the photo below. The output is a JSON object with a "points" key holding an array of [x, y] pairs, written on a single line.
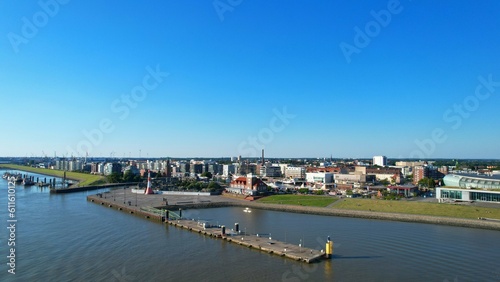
{"points": [[335, 203]]}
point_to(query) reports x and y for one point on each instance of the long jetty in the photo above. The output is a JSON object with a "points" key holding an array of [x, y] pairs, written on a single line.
{"points": [[89, 188], [255, 241], [259, 242]]}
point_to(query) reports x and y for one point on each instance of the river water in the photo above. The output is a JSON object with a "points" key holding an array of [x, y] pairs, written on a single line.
{"points": [[65, 238]]}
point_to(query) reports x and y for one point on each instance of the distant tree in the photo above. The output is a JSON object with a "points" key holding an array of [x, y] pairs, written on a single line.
{"points": [[207, 174], [115, 177], [128, 176], [131, 177], [214, 185], [427, 182]]}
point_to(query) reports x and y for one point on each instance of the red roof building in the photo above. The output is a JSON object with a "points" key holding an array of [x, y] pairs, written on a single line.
{"points": [[249, 185]]}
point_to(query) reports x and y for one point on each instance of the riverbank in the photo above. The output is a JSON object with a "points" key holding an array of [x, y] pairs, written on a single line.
{"points": [[457, 210], [461, 222], [82, 178]]}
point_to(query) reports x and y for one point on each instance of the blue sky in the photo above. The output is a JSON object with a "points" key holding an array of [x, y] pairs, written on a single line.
{"points": [[258, 74]]}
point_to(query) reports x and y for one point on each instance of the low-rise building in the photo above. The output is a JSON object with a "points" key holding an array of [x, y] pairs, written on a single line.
{"points": [[481, 188], [295, 172], [270, 171], [249, 185], [457, 194], [341, 178], [407, 191], [319, 177]]}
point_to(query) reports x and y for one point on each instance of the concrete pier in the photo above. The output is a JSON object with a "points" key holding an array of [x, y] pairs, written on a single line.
{"points": [[144, 206], [119, 204], [262, 242]]}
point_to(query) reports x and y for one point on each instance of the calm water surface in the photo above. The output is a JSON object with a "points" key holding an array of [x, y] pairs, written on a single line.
{"points": [[66, 238]]}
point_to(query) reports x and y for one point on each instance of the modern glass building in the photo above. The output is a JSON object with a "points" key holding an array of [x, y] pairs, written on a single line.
{"points": [[457, 194], [469, 188], [472, 181]]}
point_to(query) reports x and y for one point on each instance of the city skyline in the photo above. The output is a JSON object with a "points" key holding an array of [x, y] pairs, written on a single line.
{"points": [[395, 78]]}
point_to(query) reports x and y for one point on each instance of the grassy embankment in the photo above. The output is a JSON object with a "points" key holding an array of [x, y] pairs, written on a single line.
{"points": [[83, 178], [299, 200], [419, 208]]}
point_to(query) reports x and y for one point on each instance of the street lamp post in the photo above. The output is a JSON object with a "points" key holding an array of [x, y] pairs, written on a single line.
{"points": [[124, 195]]}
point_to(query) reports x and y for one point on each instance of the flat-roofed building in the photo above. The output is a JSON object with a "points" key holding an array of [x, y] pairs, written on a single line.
{"points": [[270, 171], [319, 177], [380, 160], [349, 178], [295, 172]]}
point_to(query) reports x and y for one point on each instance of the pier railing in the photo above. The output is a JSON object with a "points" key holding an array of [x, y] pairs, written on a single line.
{"points": [[163, 213]]}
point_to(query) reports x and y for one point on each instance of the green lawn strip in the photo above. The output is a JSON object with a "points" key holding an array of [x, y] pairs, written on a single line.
{"points": [[299, 200], [420, 208], [83, 178]]}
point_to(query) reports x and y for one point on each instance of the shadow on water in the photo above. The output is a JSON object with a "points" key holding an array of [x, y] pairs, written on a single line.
{"points": [[355, 257]]}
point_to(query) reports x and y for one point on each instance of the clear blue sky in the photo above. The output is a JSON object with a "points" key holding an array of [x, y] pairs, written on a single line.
{"points": [[64, 69]]}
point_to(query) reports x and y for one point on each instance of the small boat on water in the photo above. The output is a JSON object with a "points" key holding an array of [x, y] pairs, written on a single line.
{"points": [[28, 182], [17, 178]]}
